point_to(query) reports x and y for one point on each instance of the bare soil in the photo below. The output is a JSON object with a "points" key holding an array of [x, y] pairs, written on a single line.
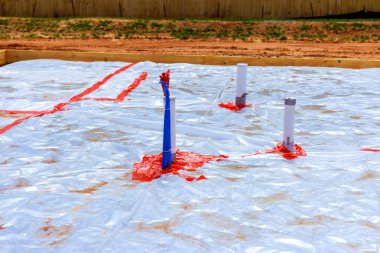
{"points": [[195, 47], [294, 39]]}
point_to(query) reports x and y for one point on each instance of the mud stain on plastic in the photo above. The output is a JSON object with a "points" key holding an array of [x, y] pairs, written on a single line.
{"points": [[356, 117], [50, 230], [356, 193], [303, 167], [368, 176], [56, 243], [165, 226], [5, 162], [90, 190], [47, 230], [7, 89], [50, 126], [324, 95], [250, 216], [116, 167], [2, 227], [239, 167], [52, 149], [98, 135], [219, 220], [21, 183], [188, 206], [189, 238], [232, 179], [131, 185], [314, 107], [241, 236], [352, 245], [231, 229], [78, 207], [50, 161], [11, 116], [330, 111], [126, 176], [372, 226], [273, 198], [312, 221]]}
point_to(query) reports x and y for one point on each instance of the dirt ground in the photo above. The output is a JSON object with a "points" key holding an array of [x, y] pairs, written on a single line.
{"points": [[295, 39], [195, 47]]}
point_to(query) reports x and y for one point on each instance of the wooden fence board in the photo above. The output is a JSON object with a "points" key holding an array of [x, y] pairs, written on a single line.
{"points": [[3, 58], [64, 8], [243, 9], [21, 55]]}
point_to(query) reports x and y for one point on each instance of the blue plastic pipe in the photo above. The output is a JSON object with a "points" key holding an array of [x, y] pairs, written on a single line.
{"points": [[166, 147]]}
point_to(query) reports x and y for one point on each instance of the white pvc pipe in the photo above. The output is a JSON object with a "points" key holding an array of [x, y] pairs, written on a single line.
{"points": [[172, 128], [241, 83], [289, 119]]}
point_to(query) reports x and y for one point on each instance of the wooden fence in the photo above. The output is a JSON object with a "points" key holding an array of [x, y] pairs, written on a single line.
{"points": [[239, 9]]}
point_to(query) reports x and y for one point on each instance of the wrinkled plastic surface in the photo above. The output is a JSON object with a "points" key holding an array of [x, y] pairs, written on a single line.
{"points": [[79, 97], [65, 178]]}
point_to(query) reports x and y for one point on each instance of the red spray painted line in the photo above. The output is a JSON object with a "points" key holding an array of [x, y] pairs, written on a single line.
{"points": [[96, 86], [60, 106], [134, 85], [57, 108], [370, 149], [122, 95], [14, 123]]}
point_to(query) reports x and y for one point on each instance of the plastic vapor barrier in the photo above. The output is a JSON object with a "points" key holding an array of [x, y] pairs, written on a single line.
{"points": [[65, 174]]}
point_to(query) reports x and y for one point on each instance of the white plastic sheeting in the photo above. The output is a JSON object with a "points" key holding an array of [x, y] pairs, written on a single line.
{"points": [[65, 178]]}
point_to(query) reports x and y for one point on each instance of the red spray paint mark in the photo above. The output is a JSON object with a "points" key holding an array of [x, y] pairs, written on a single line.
{"points": [[122, 95], [100, 83], [150, 166], [79, 97], [283, 151], [232, 107], [134, 85], [370, 149], [14, 123]]}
